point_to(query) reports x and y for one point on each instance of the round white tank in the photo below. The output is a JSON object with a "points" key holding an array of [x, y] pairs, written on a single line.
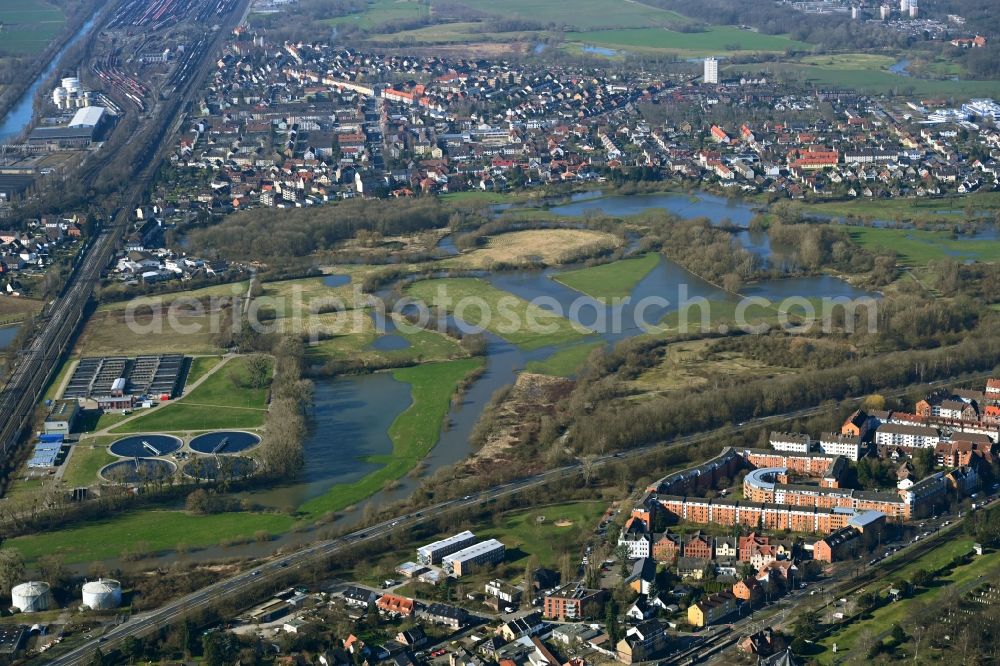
{"points": [[71, 84], [59, 97], [31, 597], [102, 594]]}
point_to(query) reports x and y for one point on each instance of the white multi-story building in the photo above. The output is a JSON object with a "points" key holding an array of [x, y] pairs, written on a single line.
{"points": [[433, 553], [790, 441], [468, 559], [911, 436], [841, 445], [711, 70]]}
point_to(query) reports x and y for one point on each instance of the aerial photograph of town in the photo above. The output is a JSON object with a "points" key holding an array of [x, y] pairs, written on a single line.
{"points": [[499, 332]]}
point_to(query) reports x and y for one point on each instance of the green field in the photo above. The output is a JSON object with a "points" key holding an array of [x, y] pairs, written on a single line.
{"points": [[218, 403], [359, 333], [86, 461], [480, 304], [916, 247], [565, 362], [865, 74], [414, 432], [583, 15], [150, 530], [200, 365], [523, 533], [614, 280], [718, 40], [28, 29], [943, 210], [380, 12]]}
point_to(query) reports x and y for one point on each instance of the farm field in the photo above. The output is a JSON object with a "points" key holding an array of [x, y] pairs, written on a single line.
{"points": [[479, 303], [149, 531], [114, 332], [380, 12], [218, 403], [414, 432], [565, 362], [549, 246], [28, 28], [717, 40], [614, 280], [917, 247], [585, 14], [452, 33]]}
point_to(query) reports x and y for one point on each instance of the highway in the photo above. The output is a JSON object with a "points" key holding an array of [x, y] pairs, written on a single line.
{"points": [[144, 623]]}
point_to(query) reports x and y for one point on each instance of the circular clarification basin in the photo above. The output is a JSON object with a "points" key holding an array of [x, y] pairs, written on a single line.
{"points": [[224, 442], [215, 468], [146, 446], [138, 470]]}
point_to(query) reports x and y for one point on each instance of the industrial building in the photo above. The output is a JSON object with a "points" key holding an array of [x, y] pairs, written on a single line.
{"points": [[115, 381], [86, 127], [31, 597], [46, 451], [433, 553], [61, 417], [468, 559], [102, 594]]}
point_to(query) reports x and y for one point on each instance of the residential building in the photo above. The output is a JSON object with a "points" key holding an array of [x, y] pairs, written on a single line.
{"points": [[395, 605], [433, 553], [482, 554], [641, 642], [835, 444], [711, 609], [711, 75], [573, 602]]}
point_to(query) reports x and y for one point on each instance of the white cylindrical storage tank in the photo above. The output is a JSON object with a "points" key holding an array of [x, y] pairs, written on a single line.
{"points": [[31, 597], [71, 84], [102, 594]]}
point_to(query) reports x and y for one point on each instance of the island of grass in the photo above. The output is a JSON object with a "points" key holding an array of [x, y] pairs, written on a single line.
{"points": [[917, 247], [480, 304], [565, 362], [608, 281], [533, 246], [414, 432], [351, 336], [226, 399]]}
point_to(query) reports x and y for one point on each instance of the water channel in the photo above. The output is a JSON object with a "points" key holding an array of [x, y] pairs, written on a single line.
{"points": [[18, 119]]}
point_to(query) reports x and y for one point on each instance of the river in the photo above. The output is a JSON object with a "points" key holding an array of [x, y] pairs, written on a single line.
{"points": [[18, 119]]}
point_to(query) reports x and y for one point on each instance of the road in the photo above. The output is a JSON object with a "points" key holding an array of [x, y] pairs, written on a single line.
{"points": [[319, 552]]}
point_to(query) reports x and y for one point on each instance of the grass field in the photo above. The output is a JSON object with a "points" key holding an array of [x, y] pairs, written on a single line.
{"points": [[14, 310], [719, 314], [200, 365], [867, 76], [917, 247], [480, 304], [152, 530], [218, 403], [114, 332], [942, 210], [534, 532], [717, 40], [686, 366], [565, 362], [549, 246], [585, 14], [414, 432], [614, 280], [380, 12], [453, 33], [28, 28], [86, 461]]}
